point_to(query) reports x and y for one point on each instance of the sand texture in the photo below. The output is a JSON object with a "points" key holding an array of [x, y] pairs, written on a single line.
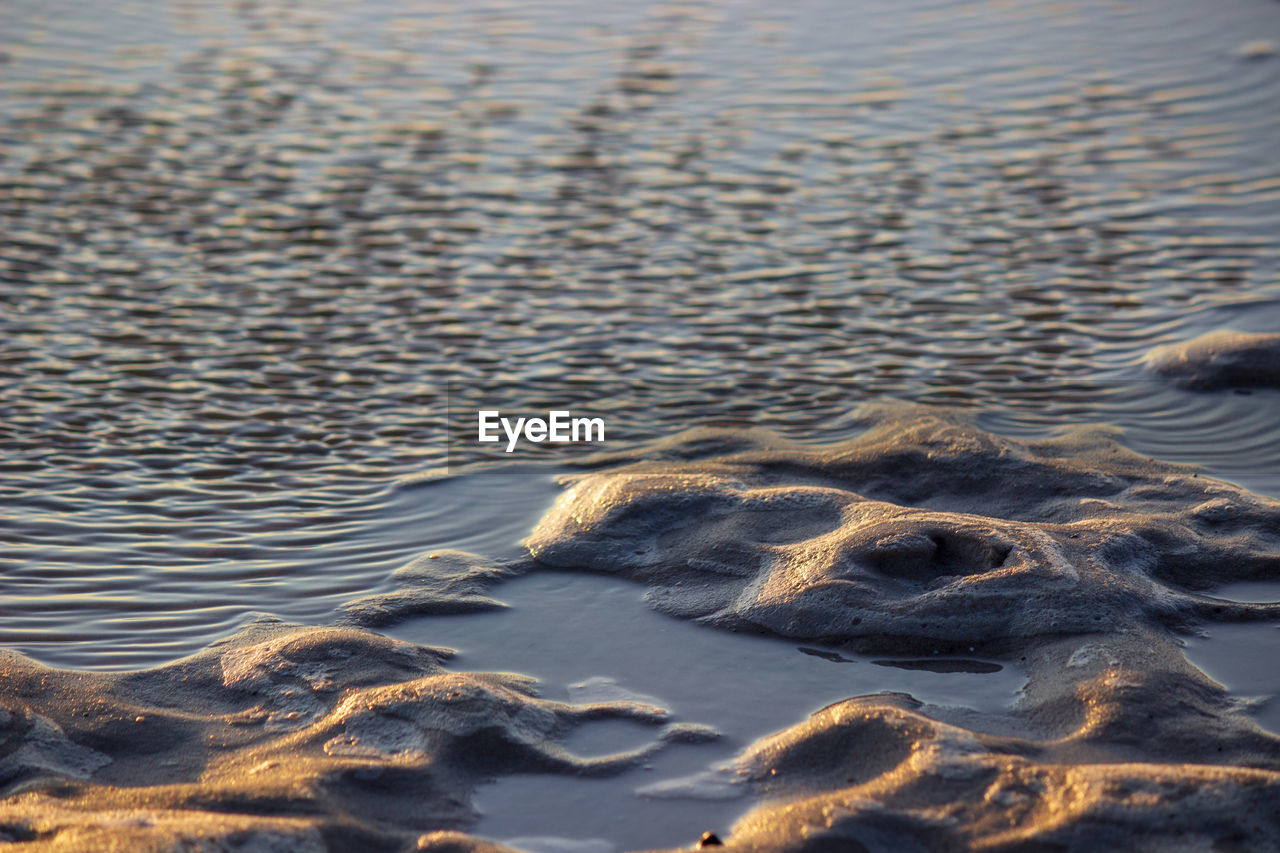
{"points": [[1073, 560], [1219, 360], [281, 738]]}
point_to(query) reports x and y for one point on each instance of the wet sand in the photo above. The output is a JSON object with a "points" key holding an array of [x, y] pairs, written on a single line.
{"points": [[959, 557]]}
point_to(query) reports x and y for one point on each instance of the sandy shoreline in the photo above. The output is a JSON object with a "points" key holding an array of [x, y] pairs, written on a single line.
{"points": [[1076, 559], [905, 320]]}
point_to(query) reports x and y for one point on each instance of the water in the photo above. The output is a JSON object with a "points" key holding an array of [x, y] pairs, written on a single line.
{"points": [[247, 249], [169, 590], [1242, 657], [586, 637]]}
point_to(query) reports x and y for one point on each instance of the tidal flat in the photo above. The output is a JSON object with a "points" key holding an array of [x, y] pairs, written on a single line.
{"points": [[935, 348]]}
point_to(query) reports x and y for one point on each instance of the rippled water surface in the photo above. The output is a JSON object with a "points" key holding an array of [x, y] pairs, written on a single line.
{"points": [[248, 246]]}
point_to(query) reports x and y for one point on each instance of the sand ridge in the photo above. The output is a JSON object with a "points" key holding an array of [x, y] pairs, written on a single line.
{"points": [[1220, 359], [442, 581], [923, 534]]}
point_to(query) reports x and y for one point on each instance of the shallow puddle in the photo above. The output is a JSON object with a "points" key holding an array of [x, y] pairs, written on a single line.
{"points": [[587, 637], [1243, 657]]}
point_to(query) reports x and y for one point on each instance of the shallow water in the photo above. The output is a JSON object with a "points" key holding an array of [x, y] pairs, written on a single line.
{"points": [[1243, 657], [150, 598], [248, 247], [587, 637]]}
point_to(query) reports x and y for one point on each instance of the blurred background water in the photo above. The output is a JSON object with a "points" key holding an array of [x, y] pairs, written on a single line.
{"points": [[245, 248]]}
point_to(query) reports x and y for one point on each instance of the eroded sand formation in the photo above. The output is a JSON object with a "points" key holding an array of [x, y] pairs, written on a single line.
{"points": [[1072, 559], [921, 535], [281, 738], [1220, 359], [438, 582]]}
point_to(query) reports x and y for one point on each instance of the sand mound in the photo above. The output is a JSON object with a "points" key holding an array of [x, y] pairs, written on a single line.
{"points": [[281, 738], [1220, 359], [875, 774], [922, 535], [1073, 559]]}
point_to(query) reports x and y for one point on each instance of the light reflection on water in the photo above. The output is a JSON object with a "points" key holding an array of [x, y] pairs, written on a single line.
{"points": [[246, 245], [165, 596]]}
